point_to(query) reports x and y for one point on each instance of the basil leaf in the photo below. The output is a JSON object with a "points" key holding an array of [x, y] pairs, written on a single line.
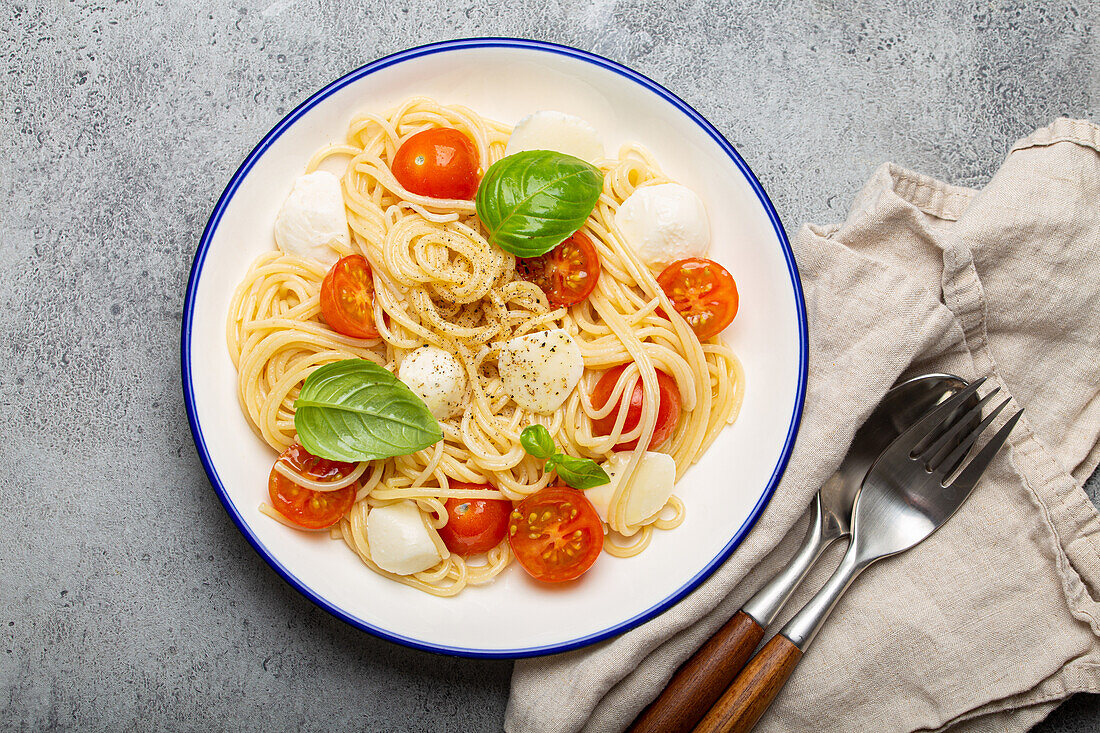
{"points": [[580, 473], [536, 440], [355, 410], [533, 201]]}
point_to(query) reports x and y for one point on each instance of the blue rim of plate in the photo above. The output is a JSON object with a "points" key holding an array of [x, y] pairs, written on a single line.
{"points": [[396, 58]]}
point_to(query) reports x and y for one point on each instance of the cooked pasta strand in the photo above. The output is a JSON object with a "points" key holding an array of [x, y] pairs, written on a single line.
{"points": [[438, 281]]}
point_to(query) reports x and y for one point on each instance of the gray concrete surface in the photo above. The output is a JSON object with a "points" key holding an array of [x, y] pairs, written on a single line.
{"points": [[126, 595]]}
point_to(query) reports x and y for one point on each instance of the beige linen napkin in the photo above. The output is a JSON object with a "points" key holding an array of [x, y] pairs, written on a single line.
{"points": [[995, 618]]}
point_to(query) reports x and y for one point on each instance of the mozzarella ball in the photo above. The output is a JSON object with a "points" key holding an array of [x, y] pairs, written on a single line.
{"points": [[664, 223], [312, 220], [649, 489], [557, 131], [399, 540], [436, 377], [540, 370]]}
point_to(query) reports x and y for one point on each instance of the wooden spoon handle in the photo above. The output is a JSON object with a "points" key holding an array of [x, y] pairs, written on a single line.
{"points": [[754, 689], [701, 680]]}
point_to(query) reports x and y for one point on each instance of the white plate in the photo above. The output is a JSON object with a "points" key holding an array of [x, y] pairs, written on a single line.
{"points": [[725, 492]]}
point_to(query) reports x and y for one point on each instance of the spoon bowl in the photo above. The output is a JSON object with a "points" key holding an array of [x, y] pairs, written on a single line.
{"points": [[702, 678], [910, 491], [901, 407]]}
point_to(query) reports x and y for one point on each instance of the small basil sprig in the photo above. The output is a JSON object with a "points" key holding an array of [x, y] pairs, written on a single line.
{"points": [[536, 440], [533, 201], [356, 410], [580, 473]]}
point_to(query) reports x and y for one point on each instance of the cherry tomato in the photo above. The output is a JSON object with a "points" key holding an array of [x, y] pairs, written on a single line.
{"points": [[440, 162], [347, 298], [668, 410], [567, 273], [703, 292], [306, 507], [555, 534], [474, 525]]}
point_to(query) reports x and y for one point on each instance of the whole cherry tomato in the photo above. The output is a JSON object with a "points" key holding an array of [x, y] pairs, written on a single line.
{"points": [[474, 525], [440, 162], [668, 410]]}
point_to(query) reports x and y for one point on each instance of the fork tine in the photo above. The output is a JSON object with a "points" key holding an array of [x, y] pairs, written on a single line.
{"points": [[965, 481], [921, 429], [934, 453], [956, 456]]}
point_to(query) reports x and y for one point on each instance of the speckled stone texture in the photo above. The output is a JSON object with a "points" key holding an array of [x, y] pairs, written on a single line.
{"points": [[126, 594]]}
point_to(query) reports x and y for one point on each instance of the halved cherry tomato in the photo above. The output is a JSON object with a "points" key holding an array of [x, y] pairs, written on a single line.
{"points": [[306, 507], [668, 410], [555, 534], [474, 525], [440, 162], [567, 273], [703, 292], [347, 298]]}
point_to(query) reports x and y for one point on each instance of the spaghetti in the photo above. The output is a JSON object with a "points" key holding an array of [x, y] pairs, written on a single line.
{"points": [[438, 281]]}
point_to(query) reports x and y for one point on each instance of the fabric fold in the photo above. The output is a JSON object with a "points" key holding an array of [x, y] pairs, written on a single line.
{"points": [[994, 619]]}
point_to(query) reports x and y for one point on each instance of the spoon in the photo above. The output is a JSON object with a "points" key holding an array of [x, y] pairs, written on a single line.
{"points": [[701, 680], [910, 491]]}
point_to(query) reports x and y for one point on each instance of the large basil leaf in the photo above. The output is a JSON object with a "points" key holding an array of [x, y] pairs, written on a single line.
{"points": [[355, 410], [533, 201]]}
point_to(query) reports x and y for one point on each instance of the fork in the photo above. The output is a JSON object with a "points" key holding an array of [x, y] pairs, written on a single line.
{"points": [[905, 497]]}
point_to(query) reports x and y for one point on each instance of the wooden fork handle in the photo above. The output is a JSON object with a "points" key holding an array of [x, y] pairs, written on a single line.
{"points": [[701, 680], [754, 689]]}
